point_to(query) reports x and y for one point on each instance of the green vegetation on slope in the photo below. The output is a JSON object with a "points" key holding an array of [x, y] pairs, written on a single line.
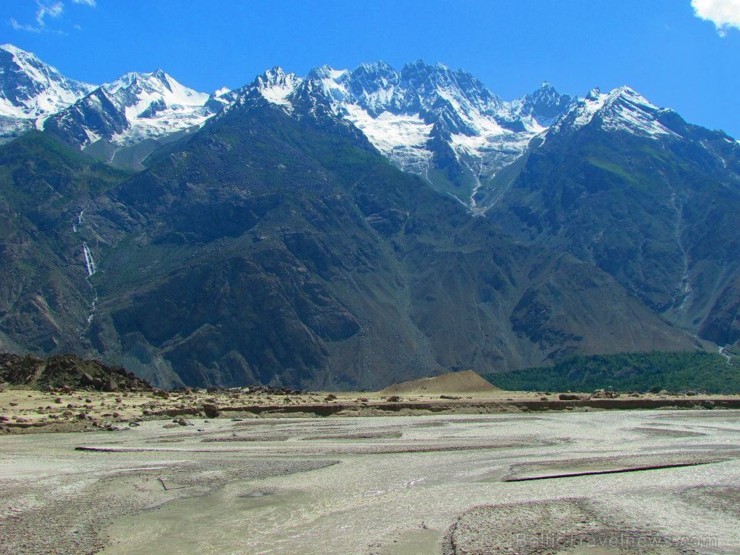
{"points": [[672, 371]]}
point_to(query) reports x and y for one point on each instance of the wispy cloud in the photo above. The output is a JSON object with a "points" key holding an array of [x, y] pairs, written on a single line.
{"points": [[725, 14], [46, 9], [21, 27]]}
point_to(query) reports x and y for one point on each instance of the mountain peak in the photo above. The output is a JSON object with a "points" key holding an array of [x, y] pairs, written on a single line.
{"points": [[545, 89], [374, 67], [32, 88], [135, 107], [594, 94], [621, 109], [326, 72], [155, 79], [11, 48], [272, 75], [23, 56], [276, 86], [629, 94], [545, 104]]}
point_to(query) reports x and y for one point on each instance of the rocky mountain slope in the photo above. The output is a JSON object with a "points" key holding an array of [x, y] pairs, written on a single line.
{"points": [[648, 198], [282, 248], [352, 229]]}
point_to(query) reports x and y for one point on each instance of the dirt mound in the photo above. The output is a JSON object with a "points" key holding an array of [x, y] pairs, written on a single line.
{"points": [[453, 382], [66, 371]]}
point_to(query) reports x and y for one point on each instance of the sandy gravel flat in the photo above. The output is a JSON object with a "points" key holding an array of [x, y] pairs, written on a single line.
{"points": [[66, 410], [385, 485]]}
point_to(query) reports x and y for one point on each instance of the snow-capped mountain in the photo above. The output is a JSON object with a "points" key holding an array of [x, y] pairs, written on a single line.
{"points": [[622, 109], [276, 86], [136, 107], [441, 124], [31, 90]]}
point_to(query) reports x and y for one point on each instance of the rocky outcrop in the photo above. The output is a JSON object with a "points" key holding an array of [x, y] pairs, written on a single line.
{"points": [[66, 371]]}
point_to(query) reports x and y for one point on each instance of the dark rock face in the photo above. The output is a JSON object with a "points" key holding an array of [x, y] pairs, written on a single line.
{"points": [[95, 113], [235, 322], [722, 324]]}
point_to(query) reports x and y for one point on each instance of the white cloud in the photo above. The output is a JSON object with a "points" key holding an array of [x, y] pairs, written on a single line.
{"points": [[48, 9], [20, 27], [725, 14]]}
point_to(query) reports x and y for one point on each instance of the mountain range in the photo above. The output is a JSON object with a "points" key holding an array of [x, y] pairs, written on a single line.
{"points": [[352, 228]]}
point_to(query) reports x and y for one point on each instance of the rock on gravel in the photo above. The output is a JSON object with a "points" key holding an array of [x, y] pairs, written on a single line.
{"points": [[562, 526]]}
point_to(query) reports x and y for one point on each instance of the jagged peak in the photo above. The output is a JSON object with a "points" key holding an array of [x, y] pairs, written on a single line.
{"points": [[136, 87], [375, 70], [275, 70], [545, 90], [375, 67], [326, 72], [24, 57], [420, 68], [418, 63], [622, 92], [275, 85], [98, 92], [131, 78], [593, 94], [274, 75], [631, 95], [32, 88], [124, 81]]}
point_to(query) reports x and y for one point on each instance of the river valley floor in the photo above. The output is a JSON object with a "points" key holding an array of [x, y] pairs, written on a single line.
{"points": [[576, 481]]}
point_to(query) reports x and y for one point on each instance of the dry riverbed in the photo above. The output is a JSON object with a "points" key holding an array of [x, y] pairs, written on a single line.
{"points": [[570, 481]]}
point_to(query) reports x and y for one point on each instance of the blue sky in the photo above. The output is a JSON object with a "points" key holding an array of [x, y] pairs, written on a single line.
{"points": [[661, 48]]}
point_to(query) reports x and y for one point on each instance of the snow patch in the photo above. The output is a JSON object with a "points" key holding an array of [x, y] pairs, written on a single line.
{"points": [[276, 86], [400, 137]]}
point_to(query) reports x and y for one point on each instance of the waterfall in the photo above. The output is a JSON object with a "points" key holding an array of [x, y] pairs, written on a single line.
{"points": [[89, 261]]}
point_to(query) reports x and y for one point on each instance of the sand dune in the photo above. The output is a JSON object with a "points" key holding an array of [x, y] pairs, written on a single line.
{"points": [[466, 381]]}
